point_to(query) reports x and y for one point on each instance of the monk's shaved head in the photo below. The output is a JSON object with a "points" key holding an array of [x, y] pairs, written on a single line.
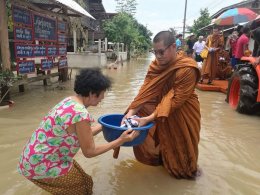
{"points": [[166, 36]]}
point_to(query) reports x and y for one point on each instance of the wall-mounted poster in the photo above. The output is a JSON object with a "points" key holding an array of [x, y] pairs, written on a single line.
{"points": [[45, 29], [23, 34], [25, 66], [23, 50], [46, 64], [22, 16]]}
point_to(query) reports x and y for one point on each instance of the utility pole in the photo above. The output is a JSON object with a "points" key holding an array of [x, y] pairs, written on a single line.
{"points": [[4, 40], [5, 52], [184, 21]]}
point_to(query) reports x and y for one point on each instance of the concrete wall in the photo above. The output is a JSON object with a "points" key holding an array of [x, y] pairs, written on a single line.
{"points": [[123, 54], [84, 60]]}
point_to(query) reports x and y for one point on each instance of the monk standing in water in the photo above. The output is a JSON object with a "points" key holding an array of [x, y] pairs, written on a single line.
{"points": [[167, 97], [214, 43]]}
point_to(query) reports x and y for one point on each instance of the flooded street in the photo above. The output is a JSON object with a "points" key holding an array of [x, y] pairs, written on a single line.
{"points": [[229, 149]]}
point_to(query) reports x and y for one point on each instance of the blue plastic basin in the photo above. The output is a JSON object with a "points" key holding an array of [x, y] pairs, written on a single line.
{"points": [[112, 130]]}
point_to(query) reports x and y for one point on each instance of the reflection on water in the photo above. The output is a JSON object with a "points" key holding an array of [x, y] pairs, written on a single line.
{"points": [[229, 146]]}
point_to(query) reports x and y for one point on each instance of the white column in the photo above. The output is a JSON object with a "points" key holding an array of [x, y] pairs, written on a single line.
{"points": [[99, 52], [75, 40], [123, 45], [105, 44], [118, 49], [99, 46]]}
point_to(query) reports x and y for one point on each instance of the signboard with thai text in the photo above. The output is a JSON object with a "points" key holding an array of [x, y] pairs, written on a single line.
{"points": [[44, 28], [63, 63], [62, 50], [62, 38], [61, 26], [46, 64], [25, 66], [23, 34], [23, 50], [52, 51], [22, 16], [40, 51]]}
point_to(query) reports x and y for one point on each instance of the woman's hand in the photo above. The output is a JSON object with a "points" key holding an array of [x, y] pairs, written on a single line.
{"points": [[128, 135]]}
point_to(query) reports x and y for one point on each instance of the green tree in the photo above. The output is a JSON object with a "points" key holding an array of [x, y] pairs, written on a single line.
{"points": [[125, 29], [143, 42], [127, 6], [202, 21]]}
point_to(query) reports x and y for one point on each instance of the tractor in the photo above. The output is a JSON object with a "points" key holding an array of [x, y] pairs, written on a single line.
{"points": [[244, 87]]}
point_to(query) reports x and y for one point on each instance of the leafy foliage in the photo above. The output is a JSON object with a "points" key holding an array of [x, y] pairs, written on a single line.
{"points": [[123, 28], [7, 78], [201, 22]]}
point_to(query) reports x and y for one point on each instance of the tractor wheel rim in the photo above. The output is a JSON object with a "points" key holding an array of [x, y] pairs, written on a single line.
{"points": [[234, 93]]}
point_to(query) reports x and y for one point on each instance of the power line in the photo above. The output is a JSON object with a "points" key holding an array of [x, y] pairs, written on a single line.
{"points": [[210, 8], [212, 5]]}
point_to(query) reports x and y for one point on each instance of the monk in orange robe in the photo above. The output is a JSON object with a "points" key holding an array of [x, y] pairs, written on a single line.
{"points": [[224, 68], [214, 43], [168, 98]]}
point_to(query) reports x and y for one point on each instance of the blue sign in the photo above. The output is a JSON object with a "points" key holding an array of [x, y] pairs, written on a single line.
{"points": [[44, 28], [62, 38], [23, 51], [61, 26], [46, 64], [22, 34], [62, 50], [52, 51], [63, 63], [24, 67], [22, 16], [39, 50]]}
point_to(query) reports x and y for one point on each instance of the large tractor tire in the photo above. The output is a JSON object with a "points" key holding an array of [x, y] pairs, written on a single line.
{"points": [[242, 89]]}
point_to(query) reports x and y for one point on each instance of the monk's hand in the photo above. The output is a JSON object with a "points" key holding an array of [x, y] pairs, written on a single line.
{"points": [[128, 115], [129, 135], [144, 120]]}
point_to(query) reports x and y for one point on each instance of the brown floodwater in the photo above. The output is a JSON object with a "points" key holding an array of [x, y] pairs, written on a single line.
{"points": [[229, 149]]}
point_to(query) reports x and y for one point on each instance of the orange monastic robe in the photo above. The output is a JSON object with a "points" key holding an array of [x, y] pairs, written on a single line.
{"points": [[168, 91], [210, 64]]}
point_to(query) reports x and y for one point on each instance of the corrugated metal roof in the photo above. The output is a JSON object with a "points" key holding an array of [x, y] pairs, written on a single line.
{"points": [[73, 7]]}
